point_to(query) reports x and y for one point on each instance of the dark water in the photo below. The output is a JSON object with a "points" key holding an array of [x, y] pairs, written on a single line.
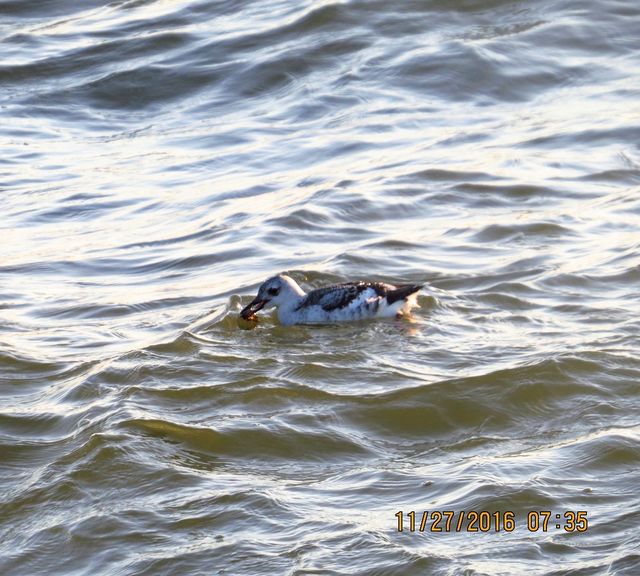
{"points": [[160, 159]]}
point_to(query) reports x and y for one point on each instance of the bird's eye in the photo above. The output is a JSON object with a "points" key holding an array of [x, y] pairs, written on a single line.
{"points": [[273, 291]]}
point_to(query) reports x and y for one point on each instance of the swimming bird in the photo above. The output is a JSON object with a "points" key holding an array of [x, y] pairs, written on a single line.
{"points": [[335, 303]]}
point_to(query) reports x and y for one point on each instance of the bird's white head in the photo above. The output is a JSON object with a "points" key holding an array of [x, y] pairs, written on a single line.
{"points": [[277, 291]]}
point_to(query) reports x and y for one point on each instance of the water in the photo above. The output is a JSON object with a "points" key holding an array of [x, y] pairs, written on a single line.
{"points": [[160, 159]]}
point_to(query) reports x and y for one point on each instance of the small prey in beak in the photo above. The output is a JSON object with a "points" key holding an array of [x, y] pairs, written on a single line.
{"points": [[249, 311]]}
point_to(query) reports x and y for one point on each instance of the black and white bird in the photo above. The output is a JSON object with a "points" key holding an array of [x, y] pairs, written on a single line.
{"points": [[335, 303]]}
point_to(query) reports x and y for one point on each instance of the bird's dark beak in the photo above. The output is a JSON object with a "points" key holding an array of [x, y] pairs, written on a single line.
{"points": [[253, 306]]}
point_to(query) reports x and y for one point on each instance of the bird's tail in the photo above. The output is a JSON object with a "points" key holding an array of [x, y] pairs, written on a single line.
{"points": [[402, 292]]}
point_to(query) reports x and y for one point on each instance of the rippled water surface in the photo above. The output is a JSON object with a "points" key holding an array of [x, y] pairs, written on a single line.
{"points": [[159, 159]]}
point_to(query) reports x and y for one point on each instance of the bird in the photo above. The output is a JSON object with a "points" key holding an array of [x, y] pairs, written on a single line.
{"points": [[335, 303]]}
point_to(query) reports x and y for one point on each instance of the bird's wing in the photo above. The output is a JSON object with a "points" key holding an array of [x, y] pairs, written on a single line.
{"points": [[341, 295]]}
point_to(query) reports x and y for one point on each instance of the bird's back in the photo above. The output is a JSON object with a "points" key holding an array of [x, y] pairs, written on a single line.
{"points": [[351, 301], [342, 295]]}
